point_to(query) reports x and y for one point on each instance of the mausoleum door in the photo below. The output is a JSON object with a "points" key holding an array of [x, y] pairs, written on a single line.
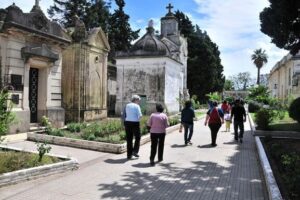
{"points": [[33, 94]]}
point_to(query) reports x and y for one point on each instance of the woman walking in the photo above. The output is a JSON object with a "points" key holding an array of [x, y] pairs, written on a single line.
{"points": [[158, 122], [187, 120], [214, 118]]}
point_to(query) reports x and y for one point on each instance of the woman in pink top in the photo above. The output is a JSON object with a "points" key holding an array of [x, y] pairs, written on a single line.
{"points": [[158, 122]]}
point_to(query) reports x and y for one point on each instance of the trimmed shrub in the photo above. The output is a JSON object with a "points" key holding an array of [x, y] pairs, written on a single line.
{"points": [[264, 117], [253, 106], [294, 110]]}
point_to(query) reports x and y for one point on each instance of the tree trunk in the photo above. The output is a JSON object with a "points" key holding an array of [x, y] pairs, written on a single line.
{"points": [[258, 76]]}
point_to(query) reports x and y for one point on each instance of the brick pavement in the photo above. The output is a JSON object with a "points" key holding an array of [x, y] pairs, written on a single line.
{"points": [[228, 171]]}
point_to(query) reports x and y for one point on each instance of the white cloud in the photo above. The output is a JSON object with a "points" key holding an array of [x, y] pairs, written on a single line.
{"points": [[234, 26]]}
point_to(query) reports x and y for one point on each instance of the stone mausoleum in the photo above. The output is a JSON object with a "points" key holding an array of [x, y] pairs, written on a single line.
{"points": [[84, 74], [31, 65], [155, 68]]}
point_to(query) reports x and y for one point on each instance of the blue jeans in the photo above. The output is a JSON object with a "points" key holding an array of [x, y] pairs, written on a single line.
{"points": [[188, 132]]}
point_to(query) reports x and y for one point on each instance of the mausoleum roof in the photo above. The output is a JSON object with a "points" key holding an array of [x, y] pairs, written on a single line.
{"points": [[148, 45]]}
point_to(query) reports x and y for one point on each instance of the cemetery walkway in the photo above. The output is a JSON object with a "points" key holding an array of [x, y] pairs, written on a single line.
{"points": [[229, 171]]}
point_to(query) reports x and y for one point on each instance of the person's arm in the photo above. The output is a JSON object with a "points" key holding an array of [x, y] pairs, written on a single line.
{"points": [[221, 115], [139, 112], [207, 118], [245, 116], [232, 113]]}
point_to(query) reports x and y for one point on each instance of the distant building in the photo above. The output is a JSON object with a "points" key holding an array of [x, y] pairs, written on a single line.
{"points": [[154, 68], [284, 77]]}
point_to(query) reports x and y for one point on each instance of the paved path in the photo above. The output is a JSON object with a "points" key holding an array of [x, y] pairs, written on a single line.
{"points": [[228, 171]]}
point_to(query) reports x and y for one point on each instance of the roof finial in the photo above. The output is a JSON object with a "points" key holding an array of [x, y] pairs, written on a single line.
{"points": [[37, 3], [169, 7], [150, 23]]}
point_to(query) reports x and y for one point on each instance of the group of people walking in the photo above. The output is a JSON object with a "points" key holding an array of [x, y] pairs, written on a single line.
{"points": [[158, 122]]}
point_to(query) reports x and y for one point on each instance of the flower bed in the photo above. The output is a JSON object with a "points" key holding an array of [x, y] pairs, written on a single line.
{"points": [[104, 136], [17, 165], [284, 157]]}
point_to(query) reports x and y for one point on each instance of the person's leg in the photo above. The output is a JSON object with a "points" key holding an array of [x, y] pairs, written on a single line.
{"points": [[191, 127], [154, 139], [217, 128], [129, 137], [161, 147], [235, 125], [211, 127], [186, 130], [137, 136], [241, 126]]}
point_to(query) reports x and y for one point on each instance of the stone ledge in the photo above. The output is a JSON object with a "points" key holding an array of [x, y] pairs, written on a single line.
{"points": [[37, 172], [271, 184], [91, 145]]}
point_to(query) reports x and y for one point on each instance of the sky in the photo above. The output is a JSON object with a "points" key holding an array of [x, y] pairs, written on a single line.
{"points": [[233, 25]]}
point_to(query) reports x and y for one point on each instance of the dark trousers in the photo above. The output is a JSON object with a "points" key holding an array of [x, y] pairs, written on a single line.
{"points": [[132, 129], [188, 132], [238, 125], [157, 138], [214, 129]]}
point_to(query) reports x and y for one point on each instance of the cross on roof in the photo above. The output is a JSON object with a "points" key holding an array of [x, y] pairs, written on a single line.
{"points": [[37, 2], [169, 7]]}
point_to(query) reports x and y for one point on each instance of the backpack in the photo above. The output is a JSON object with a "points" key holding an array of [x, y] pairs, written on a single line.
{"points": [[214, 117]]}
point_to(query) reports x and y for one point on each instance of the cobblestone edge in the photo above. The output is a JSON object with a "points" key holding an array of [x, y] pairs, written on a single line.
{"points": [[37, 172]]}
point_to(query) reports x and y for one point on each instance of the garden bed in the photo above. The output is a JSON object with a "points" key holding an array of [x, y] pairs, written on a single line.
{"points": [[91, 145], [284, 157], [17, 165]]}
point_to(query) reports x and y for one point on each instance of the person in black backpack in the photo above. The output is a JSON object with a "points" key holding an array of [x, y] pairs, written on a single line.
{"points": [[214, 119], [238, 113]]}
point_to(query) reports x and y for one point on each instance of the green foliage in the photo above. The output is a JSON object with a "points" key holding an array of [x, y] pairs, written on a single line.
{"points": [[195, 102], [214, 96], [42, 148], [12, 161], [6, 115], [228, 85], [253, 106], [259, 94], [229, 99], [205, 71], [174, 120], [264, 117], [294, 110], [241, 81], [45, 121], [75, 127], [281, 22], [120, 33]]}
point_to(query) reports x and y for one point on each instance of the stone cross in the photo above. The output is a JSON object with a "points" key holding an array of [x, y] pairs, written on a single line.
{"points": [[169, 7]]}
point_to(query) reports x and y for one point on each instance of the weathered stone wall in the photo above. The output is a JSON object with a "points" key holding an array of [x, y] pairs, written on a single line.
{"points": [[85, 80], [149, 77]]}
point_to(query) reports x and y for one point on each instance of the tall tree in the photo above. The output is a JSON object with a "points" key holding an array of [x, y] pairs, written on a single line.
{"points": [[259, 58], [228, 85], [281, 21], [241, 81], [204, 69], [120, 34], [93, 13]]}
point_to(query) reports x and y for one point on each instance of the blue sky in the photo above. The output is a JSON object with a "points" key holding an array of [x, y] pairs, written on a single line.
{"points": [[232, 24]]}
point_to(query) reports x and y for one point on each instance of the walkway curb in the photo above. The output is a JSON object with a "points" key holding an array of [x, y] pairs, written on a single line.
{"points": [[272, 187], [37, 172]]}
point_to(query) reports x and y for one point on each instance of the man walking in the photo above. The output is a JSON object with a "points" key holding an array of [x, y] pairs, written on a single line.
{"points": [[132, 126], [238, 112]]}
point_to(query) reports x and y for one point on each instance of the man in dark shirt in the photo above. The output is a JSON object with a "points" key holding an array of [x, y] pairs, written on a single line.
{"points": [[187, 120], [238, 112]]}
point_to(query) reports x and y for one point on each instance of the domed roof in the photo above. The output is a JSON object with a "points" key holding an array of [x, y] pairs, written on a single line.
{"points": [[149, 45]]}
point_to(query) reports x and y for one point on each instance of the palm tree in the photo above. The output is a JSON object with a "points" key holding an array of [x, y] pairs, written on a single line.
{"points": [[259, 58]]}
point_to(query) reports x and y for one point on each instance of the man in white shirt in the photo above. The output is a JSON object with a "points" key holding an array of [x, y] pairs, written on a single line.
{"points": [[132, 126]]}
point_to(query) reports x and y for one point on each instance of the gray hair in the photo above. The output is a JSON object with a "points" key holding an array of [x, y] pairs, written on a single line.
{"points": [[135, 97]]}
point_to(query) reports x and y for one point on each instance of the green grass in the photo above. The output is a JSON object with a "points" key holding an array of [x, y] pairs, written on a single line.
{"points": [[12, 160], [199, 114], [285, 124]]}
